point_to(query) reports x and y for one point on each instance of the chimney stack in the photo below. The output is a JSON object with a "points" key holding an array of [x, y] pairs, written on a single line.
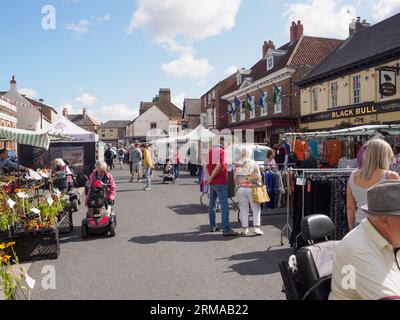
{"points": [[84, 111], [358, 25], [13, 84], [165, 95], [65, 112], [296, 31], [267, 46]]}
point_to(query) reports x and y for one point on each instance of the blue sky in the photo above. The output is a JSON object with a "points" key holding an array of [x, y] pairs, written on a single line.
{"points": [[110, 55]]}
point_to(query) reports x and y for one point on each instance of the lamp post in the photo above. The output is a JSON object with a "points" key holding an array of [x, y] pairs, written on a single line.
{"points": [[41, 113]]}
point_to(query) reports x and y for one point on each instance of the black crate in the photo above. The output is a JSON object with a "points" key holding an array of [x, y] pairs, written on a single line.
{"points": [[66, 223], [37, 245]]}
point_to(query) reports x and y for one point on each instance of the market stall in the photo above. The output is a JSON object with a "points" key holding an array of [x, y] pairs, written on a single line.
{"points": [[79, 147], [31, 209], [323, 190], [341, 148]]}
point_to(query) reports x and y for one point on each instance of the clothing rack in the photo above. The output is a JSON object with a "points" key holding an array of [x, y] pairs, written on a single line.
{"points": [[305, 173]]}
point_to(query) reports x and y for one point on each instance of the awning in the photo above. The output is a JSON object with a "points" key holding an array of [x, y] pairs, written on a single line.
{"points": [[25, 137], [368, 130], [269, 123]]}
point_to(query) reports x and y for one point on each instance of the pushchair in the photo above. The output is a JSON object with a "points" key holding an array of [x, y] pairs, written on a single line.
{"points": [[168, 174]]}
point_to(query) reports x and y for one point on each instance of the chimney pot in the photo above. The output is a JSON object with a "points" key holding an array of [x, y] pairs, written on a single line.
{"points": [[267, 46], [84, 111], [296, 31]]}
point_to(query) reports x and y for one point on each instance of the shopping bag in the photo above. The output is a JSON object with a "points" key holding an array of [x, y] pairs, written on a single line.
{"points": [[260, 195]]}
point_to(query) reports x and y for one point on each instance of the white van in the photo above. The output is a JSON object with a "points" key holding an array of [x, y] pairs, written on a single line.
{"points": [[258, 154]]}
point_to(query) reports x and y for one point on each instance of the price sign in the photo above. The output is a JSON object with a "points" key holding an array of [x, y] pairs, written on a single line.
{"points": [[57, 192], [11, 203], [35, 211], [50, 200], [22, 195], [300, 182]]}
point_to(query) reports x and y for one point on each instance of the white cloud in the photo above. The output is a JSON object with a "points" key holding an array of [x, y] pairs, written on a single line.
{"points": [[190, 19], [30, 93], [116, 112], [385, 8], [187, 66], [326, 18], [84, 27], [80, 28], [86, 100], [178, 24], [179, 99], [231, 70]]}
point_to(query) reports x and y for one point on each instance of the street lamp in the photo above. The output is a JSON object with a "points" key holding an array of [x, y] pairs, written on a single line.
{"points": [[41, 113]]}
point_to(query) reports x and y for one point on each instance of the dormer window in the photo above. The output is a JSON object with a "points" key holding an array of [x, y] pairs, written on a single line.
{"points": [[270, 62]]}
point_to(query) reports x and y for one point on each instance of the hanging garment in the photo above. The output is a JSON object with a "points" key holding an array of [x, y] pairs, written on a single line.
{"points": [[361, 155], [334, 152], [300, 149], [314, 148]]}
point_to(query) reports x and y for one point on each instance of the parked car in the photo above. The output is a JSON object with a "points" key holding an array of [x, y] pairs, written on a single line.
{"points": [[259, 152]]}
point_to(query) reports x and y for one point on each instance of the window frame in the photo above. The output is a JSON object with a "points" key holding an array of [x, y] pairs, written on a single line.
{"points": [[314, 99], [270, 62], [253, 104], [334, 94], [264, 111], [357, 89], [242, 112], [279, 104]]}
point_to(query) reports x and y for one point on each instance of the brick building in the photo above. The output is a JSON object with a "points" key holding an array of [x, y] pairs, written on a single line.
{"points": [[273, 78], [213, 108]]}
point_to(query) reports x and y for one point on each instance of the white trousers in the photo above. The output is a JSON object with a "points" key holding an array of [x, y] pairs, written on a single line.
{"points": [[245, 197]]}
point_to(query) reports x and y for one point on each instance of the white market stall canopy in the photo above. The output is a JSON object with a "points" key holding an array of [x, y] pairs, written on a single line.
{"points": [[25, 137], [369, 130], [62, 126], [199, 134]]}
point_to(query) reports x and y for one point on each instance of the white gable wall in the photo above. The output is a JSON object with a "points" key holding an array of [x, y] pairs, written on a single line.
{"points": [[142, 125]]}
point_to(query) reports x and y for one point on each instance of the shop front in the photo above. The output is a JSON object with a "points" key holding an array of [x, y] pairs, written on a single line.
{"points": [[356, 115], [267, 131]]}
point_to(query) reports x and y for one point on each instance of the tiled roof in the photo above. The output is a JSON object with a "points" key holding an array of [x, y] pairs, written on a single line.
{"points": [[363, 48], [313, 50], [306, 51], [83, 120], [115, 124], [169, 109]]}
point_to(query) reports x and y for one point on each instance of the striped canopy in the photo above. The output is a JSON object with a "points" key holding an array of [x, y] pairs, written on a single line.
{"points": [[25, 137]]}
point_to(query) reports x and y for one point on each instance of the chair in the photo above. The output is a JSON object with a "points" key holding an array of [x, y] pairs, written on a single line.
{"points": [[310, 278]]}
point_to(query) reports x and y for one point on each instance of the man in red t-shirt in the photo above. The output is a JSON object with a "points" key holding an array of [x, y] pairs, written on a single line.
{"points": [[216, 172]]}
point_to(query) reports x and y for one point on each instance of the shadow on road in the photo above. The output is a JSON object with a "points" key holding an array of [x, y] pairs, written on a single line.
{"points": [[201, 235], [259, 263], [188, 209]]}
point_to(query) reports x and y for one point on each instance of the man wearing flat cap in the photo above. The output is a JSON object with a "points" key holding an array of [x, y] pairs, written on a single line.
{"points": [[367, 263]]}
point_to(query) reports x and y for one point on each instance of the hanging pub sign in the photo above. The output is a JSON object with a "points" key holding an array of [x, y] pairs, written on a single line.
{"points": [[387, 81]]}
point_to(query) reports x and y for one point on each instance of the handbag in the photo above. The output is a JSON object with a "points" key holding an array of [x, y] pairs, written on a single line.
{"points": [[260, 195]]}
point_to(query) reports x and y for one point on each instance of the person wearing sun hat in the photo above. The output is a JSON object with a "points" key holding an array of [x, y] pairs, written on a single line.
{"points": [[367, 262]]}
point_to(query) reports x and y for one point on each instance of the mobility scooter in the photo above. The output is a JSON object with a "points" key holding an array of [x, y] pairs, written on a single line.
{"points": [[308, 273], [101, 218]]}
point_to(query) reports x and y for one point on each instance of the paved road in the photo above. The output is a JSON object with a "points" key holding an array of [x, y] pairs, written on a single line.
{"points": [[163, 250]]}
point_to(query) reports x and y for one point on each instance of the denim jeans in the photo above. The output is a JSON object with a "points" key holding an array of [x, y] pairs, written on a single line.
{"points": [[220, 192], [177, 169], [147, 172]]}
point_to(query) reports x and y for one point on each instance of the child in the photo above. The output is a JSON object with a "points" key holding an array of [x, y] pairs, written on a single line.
{"points": [[168, 171]]}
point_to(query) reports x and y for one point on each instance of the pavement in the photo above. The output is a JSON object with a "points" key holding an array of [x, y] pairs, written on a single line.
{"points": [[163, 250]]}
